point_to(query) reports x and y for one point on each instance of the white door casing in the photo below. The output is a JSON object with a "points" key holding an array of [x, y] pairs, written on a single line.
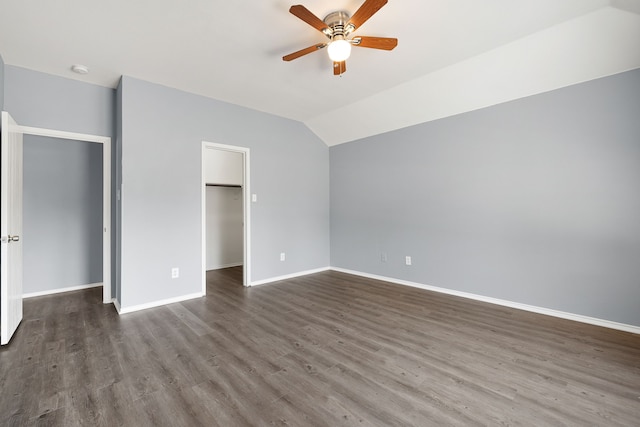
{"points": [[10, 229]]}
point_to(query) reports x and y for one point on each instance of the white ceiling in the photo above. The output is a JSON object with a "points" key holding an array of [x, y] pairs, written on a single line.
{"points": [[452, 55]]}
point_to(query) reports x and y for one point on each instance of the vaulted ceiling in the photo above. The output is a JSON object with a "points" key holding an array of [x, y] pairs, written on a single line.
{"points": [[452, 56]]}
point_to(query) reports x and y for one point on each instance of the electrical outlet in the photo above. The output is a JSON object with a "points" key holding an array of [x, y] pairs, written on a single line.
{"points": [[175, 273], [254, 198], [407, 260], [383, 257], [282, 256]]}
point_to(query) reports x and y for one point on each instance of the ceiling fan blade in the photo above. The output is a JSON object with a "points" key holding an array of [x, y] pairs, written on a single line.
{"points": [[385, 43], [366, 11], [303, 52], [305, 14], [339, 68]]}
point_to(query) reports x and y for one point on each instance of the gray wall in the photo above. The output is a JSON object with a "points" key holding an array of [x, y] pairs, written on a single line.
{"points": [[46, 101], [62, 213], [1, 84], [162, 134], [535, 201], [51, 102]]}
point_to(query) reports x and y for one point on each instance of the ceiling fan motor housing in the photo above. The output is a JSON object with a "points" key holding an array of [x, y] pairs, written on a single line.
{"points": [[337, 23]]}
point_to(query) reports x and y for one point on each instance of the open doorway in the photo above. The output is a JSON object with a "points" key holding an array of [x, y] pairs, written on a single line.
{"points": [[225, 210], [95, 267], [62, 215], [225, 228]]}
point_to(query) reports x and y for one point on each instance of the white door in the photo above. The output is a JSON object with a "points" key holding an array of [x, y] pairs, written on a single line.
{"points": [[10, 229]]}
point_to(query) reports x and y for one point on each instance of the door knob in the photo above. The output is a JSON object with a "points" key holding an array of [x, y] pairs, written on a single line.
{"points": [[13, 238]]}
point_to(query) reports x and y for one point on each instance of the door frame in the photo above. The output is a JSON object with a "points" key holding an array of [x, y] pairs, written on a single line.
{"points": [[106, 194], [246, 210]]}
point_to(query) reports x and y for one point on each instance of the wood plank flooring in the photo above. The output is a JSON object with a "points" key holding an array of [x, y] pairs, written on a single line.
{"points": [[328, 349]]}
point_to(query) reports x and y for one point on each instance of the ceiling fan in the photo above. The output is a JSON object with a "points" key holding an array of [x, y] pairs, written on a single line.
{"points": [[337, 26]]}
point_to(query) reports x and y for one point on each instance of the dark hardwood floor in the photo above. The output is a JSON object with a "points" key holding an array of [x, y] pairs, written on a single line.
{"points": [[328, 349]]}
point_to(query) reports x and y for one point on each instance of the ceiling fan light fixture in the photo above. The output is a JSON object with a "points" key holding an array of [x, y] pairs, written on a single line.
{"points": [[339, 49], [337, 26]]}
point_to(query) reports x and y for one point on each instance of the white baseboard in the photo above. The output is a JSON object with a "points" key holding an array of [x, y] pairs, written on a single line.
{"points": [[288, 276], [116, 304], [60, 290], [220, 267], [540, 310], [131, 309]]}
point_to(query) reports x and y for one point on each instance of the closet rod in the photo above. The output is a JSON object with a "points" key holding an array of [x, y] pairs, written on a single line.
{"points": [[224, 185]]}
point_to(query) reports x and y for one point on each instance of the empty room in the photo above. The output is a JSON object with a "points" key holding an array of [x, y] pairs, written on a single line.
{"points": [[259, 213]]}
